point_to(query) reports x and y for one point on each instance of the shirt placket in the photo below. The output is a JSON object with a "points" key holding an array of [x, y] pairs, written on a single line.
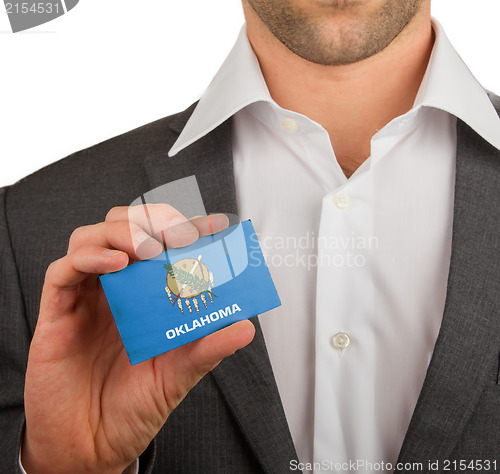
{"points": [[343, 310]]}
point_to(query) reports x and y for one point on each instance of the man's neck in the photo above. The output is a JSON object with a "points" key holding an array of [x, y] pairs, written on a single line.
{"points": [[351, 102]]}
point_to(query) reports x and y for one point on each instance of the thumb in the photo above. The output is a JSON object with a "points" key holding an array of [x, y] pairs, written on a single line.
{"points": [[182, 368], [210, 350]]}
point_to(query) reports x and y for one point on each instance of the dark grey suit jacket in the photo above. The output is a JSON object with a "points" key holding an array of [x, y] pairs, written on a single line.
{"points": [[233, 420]]}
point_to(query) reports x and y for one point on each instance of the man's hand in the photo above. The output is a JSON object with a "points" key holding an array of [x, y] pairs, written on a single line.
{"points": [[87, 409]]}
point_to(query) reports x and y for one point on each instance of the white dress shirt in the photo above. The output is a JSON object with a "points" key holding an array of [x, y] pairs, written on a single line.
{"points": [[360, 264]]}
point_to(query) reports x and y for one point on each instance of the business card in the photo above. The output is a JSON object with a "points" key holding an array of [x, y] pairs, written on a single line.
{"points": [[190, 292]]}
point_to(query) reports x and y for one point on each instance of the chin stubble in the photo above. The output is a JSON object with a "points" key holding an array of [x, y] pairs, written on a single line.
{"points": [[332, 42]]}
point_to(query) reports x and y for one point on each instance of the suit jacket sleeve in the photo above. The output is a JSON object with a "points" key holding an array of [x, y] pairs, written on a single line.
{"points": [[15, 338]]}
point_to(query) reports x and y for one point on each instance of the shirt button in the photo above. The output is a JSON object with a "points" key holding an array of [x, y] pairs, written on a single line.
{"points": [[341, 200], [290, 125], [340, 341]]}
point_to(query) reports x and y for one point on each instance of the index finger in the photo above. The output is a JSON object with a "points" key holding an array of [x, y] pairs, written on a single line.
{"points": [[167, 224], [162, 221]]}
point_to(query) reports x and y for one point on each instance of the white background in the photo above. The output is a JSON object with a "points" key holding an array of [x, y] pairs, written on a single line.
{"points": [[109, 66]]}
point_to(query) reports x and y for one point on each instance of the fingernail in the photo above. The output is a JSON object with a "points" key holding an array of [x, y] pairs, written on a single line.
{"points": [[182, 226], [142, 237], [111, 253]]}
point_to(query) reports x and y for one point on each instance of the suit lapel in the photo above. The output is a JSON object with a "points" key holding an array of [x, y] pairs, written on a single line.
{"points": [[247, 382], [246, 379], [466, 349], [209, 159]]}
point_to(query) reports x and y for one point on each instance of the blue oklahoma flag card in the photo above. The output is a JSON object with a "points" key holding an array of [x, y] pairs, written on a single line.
{"points": [[187, 293]]}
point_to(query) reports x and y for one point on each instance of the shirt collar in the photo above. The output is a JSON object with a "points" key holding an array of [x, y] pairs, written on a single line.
{"points": [[238, 83], [447, 85], [450, 86]]}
